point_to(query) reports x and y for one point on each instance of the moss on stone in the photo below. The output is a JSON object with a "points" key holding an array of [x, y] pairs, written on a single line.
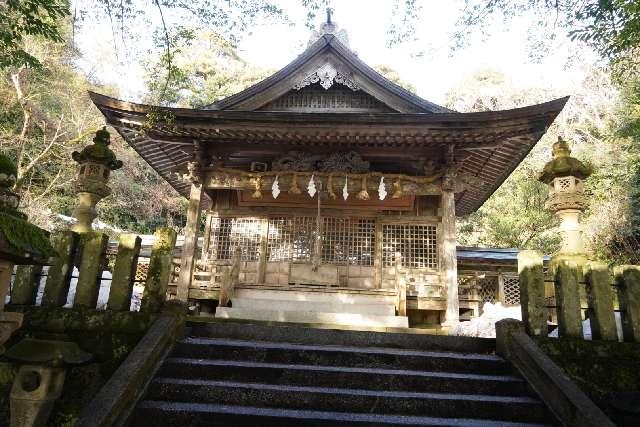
{"points": [[25, 238], [602, 369], [563, 164], [108, 335], [98, 152]]}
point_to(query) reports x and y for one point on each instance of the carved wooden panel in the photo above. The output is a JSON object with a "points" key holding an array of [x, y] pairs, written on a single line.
{"points": [[337, 98]]}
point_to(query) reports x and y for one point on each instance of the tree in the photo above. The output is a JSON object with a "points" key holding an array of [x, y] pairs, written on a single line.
{"points": [[204, 67], [22, 19], [45, 114], [393, 75], [514, 216], [612, 27]]}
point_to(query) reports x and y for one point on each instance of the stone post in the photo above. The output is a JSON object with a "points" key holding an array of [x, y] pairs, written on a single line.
{"points": [[124, 272], [25, 285], [190, 245], [20, 243], [568, 299], [96, 161], [627, 279], [505, 329], [534, 311], [159, 272], [93, 247], [449, 258], [600, 300], [56, 288], [564, 175]]}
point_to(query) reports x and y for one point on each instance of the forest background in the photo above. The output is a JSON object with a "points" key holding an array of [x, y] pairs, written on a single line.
{"points": [[190, 58]]}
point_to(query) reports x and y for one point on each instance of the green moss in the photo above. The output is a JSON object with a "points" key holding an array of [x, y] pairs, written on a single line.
{"points": [[25, 238], [109, 337], [563, 164], [602, 369]]}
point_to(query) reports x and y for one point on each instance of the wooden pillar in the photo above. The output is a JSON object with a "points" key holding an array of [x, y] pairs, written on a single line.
{"points": [[378, 268], [501, 296], [190, 244], [449, 261], [401, 285], [264, 246]]}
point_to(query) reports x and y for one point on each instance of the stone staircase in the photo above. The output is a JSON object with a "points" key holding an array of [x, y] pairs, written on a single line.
{"points": [[228, 373]]}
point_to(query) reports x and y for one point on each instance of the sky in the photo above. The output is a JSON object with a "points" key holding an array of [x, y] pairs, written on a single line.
{"points": [[272, 45]]}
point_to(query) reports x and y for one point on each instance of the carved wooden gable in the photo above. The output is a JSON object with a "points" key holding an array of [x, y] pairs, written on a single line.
{"points": [[327, 77], [337, 98]]}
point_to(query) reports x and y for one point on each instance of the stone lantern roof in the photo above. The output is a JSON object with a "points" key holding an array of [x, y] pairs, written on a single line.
{"points": [[99, 152], [563, 164]]}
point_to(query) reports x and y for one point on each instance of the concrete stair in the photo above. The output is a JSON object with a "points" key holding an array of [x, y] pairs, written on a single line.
{"points": [[228, 373], [380, 309], [355, 320], [355, 308]]}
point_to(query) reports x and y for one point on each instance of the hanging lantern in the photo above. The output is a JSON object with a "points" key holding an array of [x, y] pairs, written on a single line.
{"points": [[363, 194], [275, 188], [294, 189], [258, 184], [397, 189], [345, 190], [330, 187], [311, 187], [382, 190]]}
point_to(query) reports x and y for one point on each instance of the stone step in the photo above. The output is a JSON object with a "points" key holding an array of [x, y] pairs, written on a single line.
{"points": [[259, 304], [182, 414], [350, 319], [503, 408], [339, 376], [347, 356], [317, 294], [408, 338]]}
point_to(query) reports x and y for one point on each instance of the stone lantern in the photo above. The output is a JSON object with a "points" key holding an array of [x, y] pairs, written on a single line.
{"points": [[20, 243], [565, 175], [96, 162], [40, 379]]}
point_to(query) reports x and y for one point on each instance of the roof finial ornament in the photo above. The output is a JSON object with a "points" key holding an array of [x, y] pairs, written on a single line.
{"points": [[329, 27]]}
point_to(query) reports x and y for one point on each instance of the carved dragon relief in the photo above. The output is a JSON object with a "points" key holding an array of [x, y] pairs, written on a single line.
{"points": [[326, 75], [347, 162]]}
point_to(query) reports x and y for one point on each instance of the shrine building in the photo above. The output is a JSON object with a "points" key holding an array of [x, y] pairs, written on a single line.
{"points": [[330, 193]]}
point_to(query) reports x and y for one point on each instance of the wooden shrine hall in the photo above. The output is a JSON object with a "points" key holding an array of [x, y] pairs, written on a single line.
{"points": [[330, 192]]}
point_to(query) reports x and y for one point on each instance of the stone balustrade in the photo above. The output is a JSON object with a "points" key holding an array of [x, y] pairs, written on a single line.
{"points": [[606, 290], [88, 252]]}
